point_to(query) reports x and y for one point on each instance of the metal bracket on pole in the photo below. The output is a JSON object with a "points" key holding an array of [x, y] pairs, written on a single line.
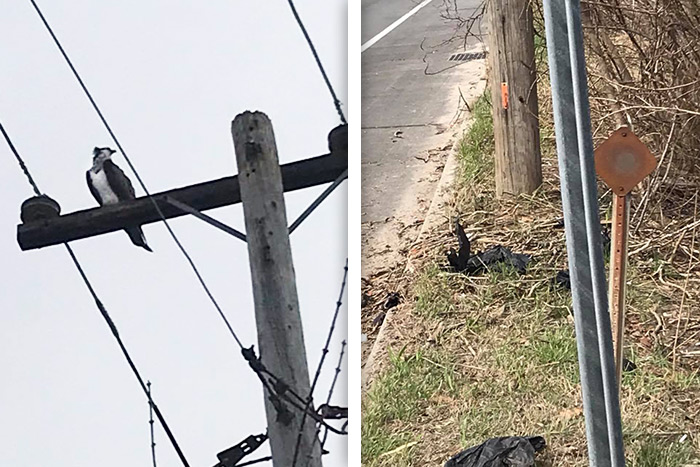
{"points": [[208, 219], [231, 456], [230, 230], [318, 201]]}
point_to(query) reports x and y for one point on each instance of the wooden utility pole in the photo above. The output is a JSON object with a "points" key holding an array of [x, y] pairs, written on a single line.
{"points": [[259, 186], [280, 334], [514, 97]]}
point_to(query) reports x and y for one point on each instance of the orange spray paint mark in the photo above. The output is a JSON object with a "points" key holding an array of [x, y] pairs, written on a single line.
{"points": [[504, 95]]}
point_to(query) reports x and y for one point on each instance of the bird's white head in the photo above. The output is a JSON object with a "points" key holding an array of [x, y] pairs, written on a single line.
{"points": [[100, 155]]}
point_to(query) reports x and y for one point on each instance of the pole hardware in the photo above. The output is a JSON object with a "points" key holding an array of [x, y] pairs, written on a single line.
{"points": [[230, 457], [208, 219]]}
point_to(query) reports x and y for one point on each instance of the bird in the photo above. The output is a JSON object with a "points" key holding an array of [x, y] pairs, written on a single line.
{"points": [[110, 185]]}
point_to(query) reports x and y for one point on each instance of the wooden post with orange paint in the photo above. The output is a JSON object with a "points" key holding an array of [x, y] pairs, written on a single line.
{"points": [[513, 76]]}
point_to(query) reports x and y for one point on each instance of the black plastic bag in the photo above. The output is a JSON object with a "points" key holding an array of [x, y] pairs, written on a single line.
{"points": [[507, 451], [562, 279], [463, 261]]}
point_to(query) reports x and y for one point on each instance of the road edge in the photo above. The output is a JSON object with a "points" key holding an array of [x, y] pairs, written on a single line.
{"points": [[441, 195]]}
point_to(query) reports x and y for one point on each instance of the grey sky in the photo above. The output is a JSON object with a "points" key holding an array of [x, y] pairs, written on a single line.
{"points": [[169, 77]]}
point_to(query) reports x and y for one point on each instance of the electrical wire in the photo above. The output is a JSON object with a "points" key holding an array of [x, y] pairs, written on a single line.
{"points": [[324, 352], [336, 101], [35, 187], [150, 422], [330, 391], [135, 370], [138, 177], [104, 313]]}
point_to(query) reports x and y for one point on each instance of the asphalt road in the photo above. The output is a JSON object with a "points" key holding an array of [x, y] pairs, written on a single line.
{"points": [[411, 109]]}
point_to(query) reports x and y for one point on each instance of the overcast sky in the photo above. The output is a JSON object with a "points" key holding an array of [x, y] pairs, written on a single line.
{"points": [[169, 77]]}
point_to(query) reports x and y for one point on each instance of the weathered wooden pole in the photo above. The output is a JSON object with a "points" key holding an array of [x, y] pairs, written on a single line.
{"points": [[513, 77], [280, 334]]}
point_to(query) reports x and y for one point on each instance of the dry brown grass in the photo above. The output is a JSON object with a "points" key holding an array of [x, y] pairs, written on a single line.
{"points": [[506, 345]]}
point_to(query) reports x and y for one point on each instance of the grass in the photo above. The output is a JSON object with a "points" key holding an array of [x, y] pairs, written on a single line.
{"points": [[654, 453], [400, 397], [432, 291], [504, 358], [477, 144]]}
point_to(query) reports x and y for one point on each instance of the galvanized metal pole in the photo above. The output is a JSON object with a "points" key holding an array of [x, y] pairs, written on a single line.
{"points": [[583, 238], [590, 191]]}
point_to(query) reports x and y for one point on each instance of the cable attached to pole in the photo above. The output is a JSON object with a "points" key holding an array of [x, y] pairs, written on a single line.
{"points": [[336, 101], [330, 391], [150, 422], [324, 352]]}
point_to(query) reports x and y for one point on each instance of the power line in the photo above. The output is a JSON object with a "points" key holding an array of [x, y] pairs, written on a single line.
{"points": [[35, 187], [104, 313], [113, 328], [324, 352], [330, 391], [138, 177], [278, 390], [150, 422], [336, 101]]}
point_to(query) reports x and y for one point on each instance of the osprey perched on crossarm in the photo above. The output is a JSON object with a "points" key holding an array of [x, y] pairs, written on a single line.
{"points": [[110, 185]]}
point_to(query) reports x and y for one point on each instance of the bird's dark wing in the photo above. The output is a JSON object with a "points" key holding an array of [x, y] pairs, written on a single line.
{"points": [[94, 192], [120, 183]]}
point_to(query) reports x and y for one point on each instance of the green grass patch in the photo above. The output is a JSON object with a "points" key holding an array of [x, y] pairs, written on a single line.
{"points": [[398, 398], [477, 145], [653, 452], [555, 351], [433, 292]]}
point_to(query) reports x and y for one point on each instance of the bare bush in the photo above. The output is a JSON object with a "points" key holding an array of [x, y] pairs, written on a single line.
{"points": [[644, 71]]}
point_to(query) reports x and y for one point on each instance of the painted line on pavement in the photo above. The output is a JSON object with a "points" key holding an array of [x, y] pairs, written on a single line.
{"points": [[393, 25]]}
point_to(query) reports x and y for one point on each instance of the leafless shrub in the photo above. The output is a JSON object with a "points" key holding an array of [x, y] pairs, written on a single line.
{"points": [[644, 71]]}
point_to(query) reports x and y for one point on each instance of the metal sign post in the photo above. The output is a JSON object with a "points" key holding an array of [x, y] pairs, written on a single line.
{"points": [[622, 161], [618, 266]]}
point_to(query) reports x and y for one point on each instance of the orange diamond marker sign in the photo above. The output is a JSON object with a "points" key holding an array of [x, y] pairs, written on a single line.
{"points": [[623, 160]]}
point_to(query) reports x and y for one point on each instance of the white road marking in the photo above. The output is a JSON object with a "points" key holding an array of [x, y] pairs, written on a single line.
{"points": [[393, 25]]}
